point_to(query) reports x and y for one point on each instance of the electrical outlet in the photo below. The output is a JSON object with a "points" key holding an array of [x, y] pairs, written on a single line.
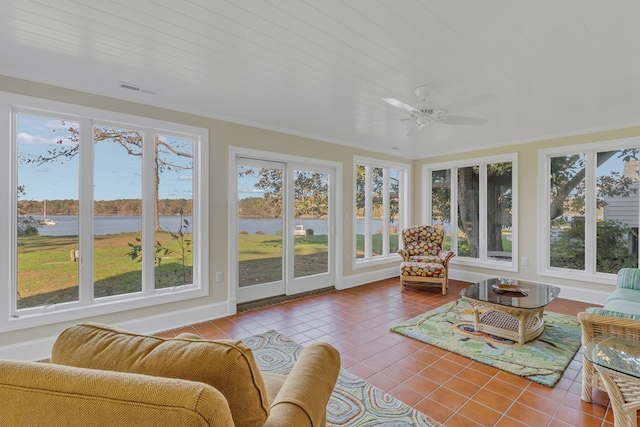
{"points": [[524, 260], [219, 277]]}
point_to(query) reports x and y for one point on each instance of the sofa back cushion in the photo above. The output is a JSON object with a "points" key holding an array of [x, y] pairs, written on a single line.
{"points": [[629, 278], [46, 394], [227, 365]]}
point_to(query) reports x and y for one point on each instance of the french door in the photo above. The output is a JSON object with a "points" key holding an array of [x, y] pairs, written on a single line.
{"points": [[284, 224]]}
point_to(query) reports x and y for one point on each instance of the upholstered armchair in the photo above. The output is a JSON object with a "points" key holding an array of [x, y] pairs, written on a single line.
{"points": [[423, 243], [423, 259]]}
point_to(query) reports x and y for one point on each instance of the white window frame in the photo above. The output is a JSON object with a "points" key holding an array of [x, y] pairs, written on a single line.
{"points": [[544, 171], [483, 260], [403, 208], [87, 306]]}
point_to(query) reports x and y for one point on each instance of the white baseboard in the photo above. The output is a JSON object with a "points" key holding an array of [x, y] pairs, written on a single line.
{"points": [[40, 349], [568, 292], [347, 282]]}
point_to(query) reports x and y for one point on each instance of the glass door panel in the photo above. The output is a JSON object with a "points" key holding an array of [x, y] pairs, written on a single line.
{"points": [[311, 231], [260, 239]]}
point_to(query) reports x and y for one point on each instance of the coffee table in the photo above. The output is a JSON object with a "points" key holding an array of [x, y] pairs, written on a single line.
{"points": [[617, 359], [517, 316]]}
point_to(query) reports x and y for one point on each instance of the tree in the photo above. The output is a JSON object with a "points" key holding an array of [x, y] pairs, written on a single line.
{"points": [[68, 147], [311, 193], [377, 188]]}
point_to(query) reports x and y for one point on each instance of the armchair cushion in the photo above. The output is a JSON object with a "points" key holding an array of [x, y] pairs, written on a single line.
{"points": [[227, 365]]}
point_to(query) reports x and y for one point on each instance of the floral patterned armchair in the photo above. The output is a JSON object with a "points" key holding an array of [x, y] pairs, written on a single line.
{"points": [[423, 243], [423, 259]]}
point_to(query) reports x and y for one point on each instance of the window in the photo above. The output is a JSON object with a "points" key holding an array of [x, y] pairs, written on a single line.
{"points": [[474, 202], [592, 212], [380, 206], [104, 210]]}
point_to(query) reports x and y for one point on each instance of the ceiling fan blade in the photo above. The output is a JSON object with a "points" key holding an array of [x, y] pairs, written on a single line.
{"points": [[464, 104], [415, 128], [399, 104], [461, 120]]}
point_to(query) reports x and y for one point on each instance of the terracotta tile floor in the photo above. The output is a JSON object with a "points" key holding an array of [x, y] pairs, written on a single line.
{"points": [[452, 389]]}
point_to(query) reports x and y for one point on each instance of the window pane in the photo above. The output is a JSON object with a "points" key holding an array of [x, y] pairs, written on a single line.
{"points": [[499, 193], [117, 190], [47, 211], [311, 245], [361, 192], [174, 211], [394, 209], [468, 211], [617, 204], [377, 199], [567, 192], [441, 202]]}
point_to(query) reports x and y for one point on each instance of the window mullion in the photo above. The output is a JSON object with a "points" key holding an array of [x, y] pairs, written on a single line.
{"points": [[85, 211], [148, 210], [368, 213], [385, 212], [454, 209], [482, 217], [590, 213]]}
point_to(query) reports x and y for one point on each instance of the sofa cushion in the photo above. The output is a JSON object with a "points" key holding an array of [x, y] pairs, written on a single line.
{"points": [[612, 313], [623, 294], [623, 306], [227, 365]]}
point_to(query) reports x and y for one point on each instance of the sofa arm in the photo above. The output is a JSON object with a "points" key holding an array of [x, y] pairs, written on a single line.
{"points": [[595, 326], [404, 254], [302, 400]]}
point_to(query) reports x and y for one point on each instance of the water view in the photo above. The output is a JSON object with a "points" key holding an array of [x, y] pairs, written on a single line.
{"points": [[67, 225]]}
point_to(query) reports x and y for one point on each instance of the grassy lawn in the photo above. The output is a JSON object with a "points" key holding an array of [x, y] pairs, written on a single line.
{"points": [[260, 257], [47, 275]]}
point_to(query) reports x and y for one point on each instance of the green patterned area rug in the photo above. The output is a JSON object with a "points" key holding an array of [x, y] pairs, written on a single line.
{"points": [[542, 360], [354, 402]]}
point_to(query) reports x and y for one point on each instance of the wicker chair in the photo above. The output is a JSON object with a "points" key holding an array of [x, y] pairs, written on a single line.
{"points": [[618, 318], [423, 259]]}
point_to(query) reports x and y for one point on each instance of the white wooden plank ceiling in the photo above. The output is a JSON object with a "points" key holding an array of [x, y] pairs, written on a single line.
{"points": [[320, 68]]}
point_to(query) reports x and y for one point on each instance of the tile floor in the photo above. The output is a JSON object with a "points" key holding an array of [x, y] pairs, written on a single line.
{"points": [[450, 388]]}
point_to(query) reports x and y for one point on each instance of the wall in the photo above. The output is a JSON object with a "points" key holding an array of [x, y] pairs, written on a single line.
{"points": [[528, 211], [222, 135]]}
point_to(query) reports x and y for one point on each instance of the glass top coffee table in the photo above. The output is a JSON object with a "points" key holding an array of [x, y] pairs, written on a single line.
{"points": [[617, 361], [509, 308]]}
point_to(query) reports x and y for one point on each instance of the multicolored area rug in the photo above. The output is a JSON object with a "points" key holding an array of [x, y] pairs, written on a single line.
{"points": [[542, 360], [354, 402]]}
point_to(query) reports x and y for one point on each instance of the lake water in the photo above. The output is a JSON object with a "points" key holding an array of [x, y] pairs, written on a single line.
{"points": [[67, 225]]}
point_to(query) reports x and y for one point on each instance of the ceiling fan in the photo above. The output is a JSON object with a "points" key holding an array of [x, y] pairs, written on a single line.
{"points": [[426, 111]]}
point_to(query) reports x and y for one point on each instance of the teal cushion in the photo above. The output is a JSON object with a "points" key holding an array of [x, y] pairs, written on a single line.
{"points": [[629, 278], [623, 306], [624, 295], [611, 313]]}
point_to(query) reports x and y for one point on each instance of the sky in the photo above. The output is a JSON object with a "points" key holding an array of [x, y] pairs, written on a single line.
{"points": [[117, 175]]}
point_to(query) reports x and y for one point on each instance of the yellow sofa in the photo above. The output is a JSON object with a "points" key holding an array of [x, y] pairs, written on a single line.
{"points": [[104, 376]]}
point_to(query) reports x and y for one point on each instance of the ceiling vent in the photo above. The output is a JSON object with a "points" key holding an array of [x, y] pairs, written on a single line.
{"points": [[137, 88]]}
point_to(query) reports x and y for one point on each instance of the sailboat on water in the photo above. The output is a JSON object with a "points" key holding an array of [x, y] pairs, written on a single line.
{"points": [[45, 220]]}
